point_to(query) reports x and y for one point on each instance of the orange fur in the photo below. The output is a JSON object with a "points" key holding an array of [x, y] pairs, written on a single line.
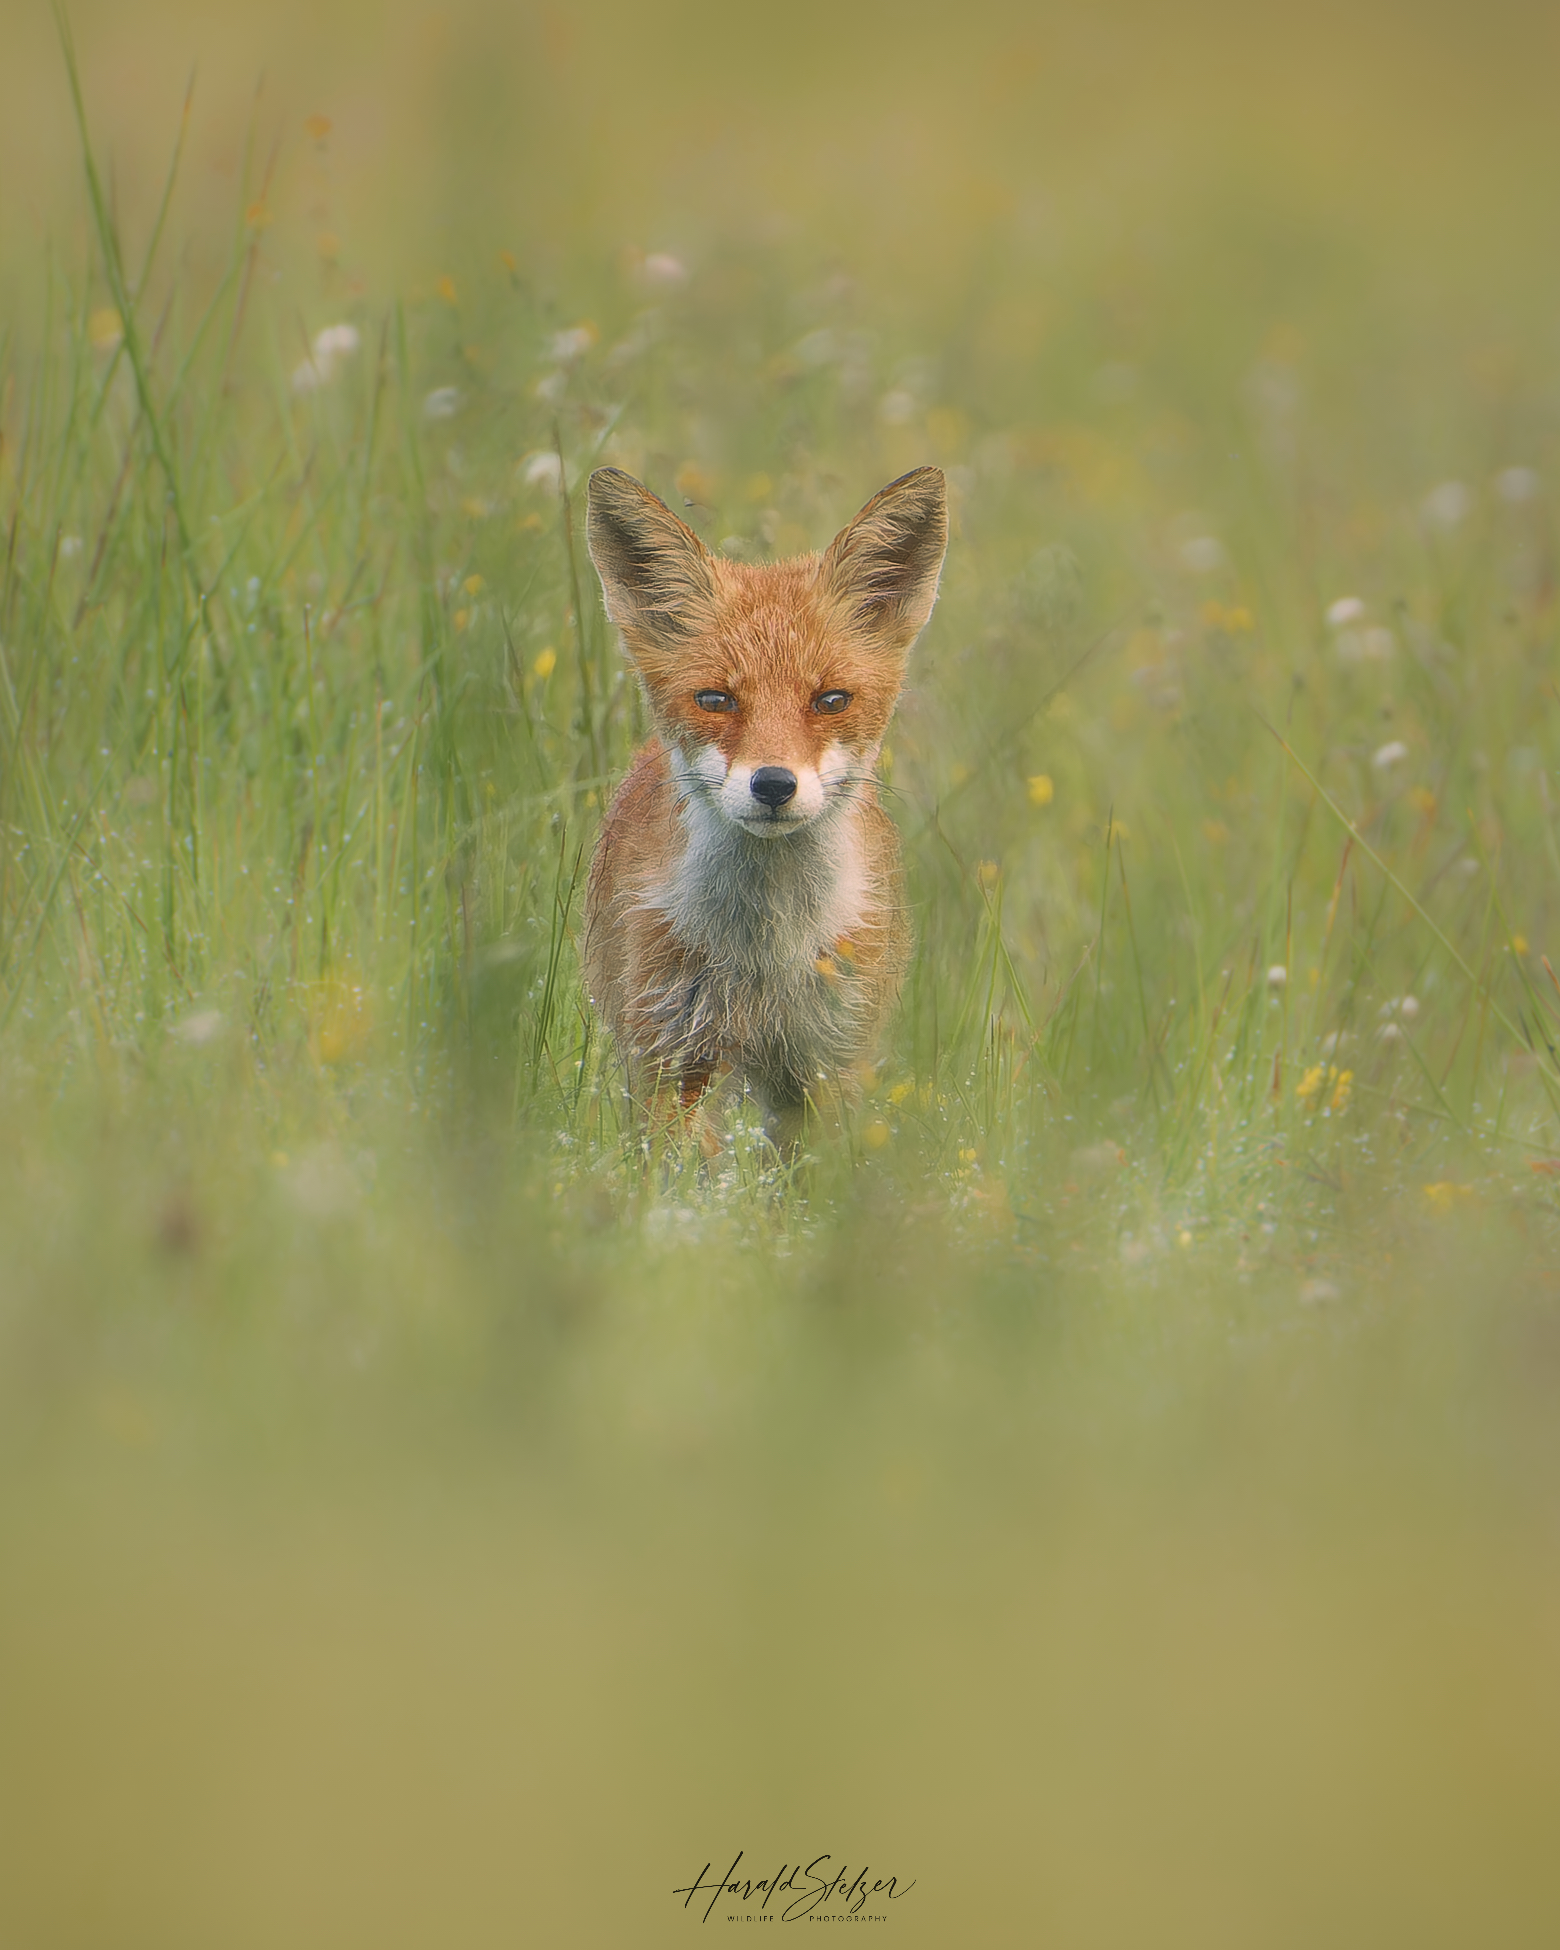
{"points": [[727, 935]]}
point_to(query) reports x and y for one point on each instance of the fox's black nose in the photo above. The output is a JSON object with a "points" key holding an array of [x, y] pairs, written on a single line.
{"points": [[773, 785]]}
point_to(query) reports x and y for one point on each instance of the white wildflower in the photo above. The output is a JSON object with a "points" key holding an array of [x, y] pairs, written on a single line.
{"points": [[1347, 609], [337, 342], [1386, 756], [660, 268], [330, 347], [542, 469], [70, 545], [1277, 975], [574, 343], [1202, 554], [1319, 1293], [897, 409], [1447, 505], [1517, 484], [443, 403], [198, 1029]]}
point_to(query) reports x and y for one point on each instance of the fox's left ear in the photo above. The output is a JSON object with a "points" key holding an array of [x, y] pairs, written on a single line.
{"points": [[882, 570]]}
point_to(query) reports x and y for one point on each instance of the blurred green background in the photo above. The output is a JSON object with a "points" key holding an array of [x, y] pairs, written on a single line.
{"points": [[1114, 1483]]}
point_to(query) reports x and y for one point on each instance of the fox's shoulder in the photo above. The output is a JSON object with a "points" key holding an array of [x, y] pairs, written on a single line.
{"points": [[640, 823], [638, 833], [644, 797]]}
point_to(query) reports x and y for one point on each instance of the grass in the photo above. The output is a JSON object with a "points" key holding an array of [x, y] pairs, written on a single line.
{"points": [[1127, 1450]]}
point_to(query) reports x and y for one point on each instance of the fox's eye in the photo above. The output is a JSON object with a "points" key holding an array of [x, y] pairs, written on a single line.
{"points": [[715, 700], [826, 703]]}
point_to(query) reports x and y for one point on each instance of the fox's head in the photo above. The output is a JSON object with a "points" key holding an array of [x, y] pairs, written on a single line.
{"points": [[771, 685]]}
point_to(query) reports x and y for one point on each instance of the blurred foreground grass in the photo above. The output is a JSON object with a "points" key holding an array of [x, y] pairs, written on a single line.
{"points": [[1117, 1486]]}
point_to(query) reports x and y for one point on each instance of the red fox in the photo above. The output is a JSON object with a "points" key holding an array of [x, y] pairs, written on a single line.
{"points": [[745, 919]]}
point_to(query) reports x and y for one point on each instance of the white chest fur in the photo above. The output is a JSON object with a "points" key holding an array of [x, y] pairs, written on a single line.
{"points": [[758, 908], [759, 920]]}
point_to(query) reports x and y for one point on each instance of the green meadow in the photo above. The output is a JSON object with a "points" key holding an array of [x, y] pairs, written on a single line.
{"points": [[1112, 1483]]}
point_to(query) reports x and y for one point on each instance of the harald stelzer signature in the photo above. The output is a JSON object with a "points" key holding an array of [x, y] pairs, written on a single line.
{"points": [[806, 1896]]}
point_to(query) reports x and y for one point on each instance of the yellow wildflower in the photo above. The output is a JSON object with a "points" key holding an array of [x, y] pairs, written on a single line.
{"points": [[340, 1018], [445, 287], [472, 585], [1445, 1196], [1329, 1080], [900, 1092], [693, 482], [876, 1135], [105, 328], [988, 873], [545, 664], [1042, 789]]}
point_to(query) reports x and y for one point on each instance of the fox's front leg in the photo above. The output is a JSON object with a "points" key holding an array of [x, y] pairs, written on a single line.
{"points": [[785, 1123], [822, 1108], [679, 1111]]}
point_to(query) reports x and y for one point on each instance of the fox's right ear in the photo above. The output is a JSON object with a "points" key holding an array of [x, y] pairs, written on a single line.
{"points": [[655, 572]]}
